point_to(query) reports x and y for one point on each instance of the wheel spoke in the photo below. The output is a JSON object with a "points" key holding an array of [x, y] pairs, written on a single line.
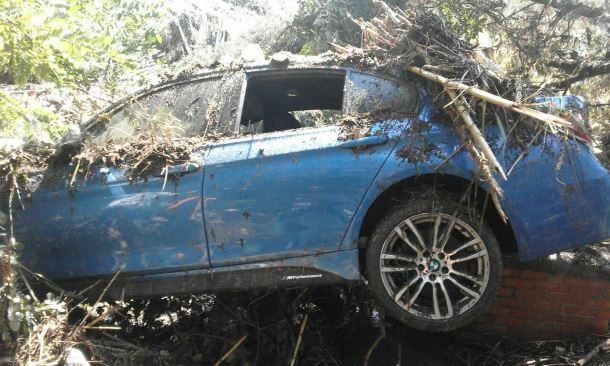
{"points": [[404, 288], [447, 299], [398, 257], [472, 256], [468, 277], [469, 244], [448, 232], [437, 310], [468, 291], [395, 269], [416, 232], [401, 233], [416, 294], [437, 225]]}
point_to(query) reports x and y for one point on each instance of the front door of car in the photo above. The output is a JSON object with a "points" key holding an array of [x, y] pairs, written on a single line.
{"points": [[287, 193], [111, 221]]}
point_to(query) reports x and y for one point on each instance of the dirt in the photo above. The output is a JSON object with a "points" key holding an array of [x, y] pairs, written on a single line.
{"points": [[343, 324]]}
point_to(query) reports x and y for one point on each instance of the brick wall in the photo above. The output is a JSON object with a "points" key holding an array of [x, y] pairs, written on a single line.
{"points": [[539, 304]]}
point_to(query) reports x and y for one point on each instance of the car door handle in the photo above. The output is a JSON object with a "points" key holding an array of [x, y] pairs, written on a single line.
{"points": [[179, 169], [365, 142]]}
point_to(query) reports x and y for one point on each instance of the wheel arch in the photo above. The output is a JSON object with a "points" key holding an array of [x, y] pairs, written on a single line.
{"points": [[396, 193]]}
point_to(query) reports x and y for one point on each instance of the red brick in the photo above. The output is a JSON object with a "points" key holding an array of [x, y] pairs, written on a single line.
{"points": [[604, 313], [514, 322], [584, 291], [518, 282], [528, 293], [600, 303], [580, 310], [510, 272], [576, 319], [556, 317], [524, 313], [500, 311], [510, 302], [599, 284], [534, 275], [602, 326], [577, 282], [566, 329], [546, 285], [543, 326], [563, 298], [506, 291]]}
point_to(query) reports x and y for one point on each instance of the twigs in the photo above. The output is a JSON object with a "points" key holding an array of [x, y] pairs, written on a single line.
{"points": [[298, 345], [459, 104], [379, 338], [605, 345], [553, 122], [231, 350]]}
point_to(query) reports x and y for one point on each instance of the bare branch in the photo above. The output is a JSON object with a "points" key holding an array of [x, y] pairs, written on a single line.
{"points": [[573, 7]]}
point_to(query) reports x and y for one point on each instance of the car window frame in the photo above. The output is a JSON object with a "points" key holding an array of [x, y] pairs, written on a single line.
{"points": [[249, 74], [118, 106]]}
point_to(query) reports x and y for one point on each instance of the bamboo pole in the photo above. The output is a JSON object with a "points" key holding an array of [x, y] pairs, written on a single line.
{"points": [[231, 350], [298, 345], [550, 119], [477, 136]]}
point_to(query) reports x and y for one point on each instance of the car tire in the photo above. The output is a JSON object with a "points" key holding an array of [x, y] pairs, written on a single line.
{"points": [[432, 284]]}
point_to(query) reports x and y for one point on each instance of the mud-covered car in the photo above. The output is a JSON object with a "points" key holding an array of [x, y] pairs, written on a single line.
{"points": [[317, 175]]}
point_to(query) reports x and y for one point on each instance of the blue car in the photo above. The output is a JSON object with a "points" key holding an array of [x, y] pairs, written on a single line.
{"points": [[312, 175]]}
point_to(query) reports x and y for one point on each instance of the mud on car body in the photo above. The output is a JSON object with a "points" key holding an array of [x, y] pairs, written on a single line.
{"points": [[327, 175]]}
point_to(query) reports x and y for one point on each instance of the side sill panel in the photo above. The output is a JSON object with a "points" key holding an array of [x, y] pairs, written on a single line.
{"points": [[320, 269]]}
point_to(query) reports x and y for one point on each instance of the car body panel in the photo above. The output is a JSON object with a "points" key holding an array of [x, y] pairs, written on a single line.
{"points": [[310, 270], [267, 206], [110, 223], [549, 209], [286, 193]]}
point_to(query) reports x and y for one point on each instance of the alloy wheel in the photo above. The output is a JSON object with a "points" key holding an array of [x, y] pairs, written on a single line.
{"points": [[434, 265]]}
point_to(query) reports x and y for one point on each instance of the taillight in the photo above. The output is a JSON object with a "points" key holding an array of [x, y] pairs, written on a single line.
{"points": [[572, 108]]}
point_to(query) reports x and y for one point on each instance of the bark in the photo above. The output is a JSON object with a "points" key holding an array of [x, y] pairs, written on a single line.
{"points": [[580, 69], [574, 7]]}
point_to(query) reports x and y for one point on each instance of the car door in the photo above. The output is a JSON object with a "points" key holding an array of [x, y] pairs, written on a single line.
{"points": [[289, 193], [109, 221]]}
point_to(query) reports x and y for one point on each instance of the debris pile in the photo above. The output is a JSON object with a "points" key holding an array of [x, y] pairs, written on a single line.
{"points": [[463, 80], [141, 157]]}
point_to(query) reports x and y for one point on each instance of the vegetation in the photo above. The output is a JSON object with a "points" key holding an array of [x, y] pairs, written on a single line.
{"points": [[75, 44], [62, 60]]}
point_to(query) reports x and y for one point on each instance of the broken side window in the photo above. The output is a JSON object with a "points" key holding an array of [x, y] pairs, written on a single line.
{"points": [[291, 100], [202, 107]]}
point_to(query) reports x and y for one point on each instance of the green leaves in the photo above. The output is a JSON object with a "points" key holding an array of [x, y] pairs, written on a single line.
{"points": [[72, 43]]}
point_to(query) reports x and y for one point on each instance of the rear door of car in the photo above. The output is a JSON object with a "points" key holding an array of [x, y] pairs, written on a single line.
{"points": [[278, 194], [109, 221]]}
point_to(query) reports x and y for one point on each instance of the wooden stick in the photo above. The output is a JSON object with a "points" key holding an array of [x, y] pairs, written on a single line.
{"points": [[476, 134], [594, 351], [230, 351], [495, 191], [298, 345], [550, 119], [381, 336]]}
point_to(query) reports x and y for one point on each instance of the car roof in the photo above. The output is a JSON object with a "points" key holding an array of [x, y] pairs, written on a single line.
{"points": [[279, 62]]}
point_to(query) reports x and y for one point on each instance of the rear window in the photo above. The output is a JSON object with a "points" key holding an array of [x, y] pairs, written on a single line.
{"points": [[183, 110]]}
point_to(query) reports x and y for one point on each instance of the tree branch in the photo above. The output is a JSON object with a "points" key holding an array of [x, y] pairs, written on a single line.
{"points": [[580, 69], [574, 7]]}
